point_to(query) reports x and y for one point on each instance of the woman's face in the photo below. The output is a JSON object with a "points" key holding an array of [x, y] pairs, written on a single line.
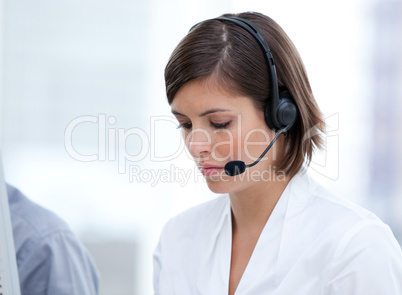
{"points": [[219, 127]]}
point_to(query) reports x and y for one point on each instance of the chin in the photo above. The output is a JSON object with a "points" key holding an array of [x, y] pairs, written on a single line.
{"points": [[220, 186]]}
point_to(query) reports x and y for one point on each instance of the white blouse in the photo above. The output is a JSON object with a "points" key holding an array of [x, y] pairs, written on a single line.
{"points": [[313, 243]]}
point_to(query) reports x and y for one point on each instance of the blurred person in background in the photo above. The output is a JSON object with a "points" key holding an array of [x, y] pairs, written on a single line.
{"points": [[50, 258], [275, 230]]}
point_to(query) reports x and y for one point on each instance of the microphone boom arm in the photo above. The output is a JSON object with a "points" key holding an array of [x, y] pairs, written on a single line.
{"points": [[234, 168], [284, 130]]}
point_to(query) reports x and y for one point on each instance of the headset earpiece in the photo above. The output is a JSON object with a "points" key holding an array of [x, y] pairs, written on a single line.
{"points": [[286, 112], [282, 114]]}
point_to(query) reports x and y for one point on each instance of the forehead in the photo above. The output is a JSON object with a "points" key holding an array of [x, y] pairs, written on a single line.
{"points": [[197, 95]]}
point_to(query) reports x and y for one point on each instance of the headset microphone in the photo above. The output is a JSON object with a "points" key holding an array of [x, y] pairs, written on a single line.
{"points": [[234, 168]]}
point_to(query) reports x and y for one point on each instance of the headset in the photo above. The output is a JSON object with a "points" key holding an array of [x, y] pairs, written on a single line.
{"points": [[280, 112]]}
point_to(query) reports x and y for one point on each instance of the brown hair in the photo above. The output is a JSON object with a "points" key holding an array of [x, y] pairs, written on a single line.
{"points": [[228, 53]]}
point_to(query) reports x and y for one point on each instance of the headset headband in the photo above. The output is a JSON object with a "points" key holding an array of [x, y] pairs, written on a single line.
{"points": [[279, 113]]}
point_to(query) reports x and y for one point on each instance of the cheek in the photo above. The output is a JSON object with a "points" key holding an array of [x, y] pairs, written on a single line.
{"points": [[185, 137], [255, 138], [246, 144], [225, 145], [255, 142]]}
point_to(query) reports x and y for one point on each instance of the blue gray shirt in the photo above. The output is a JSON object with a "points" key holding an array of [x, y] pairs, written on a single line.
{"points": [[50, 258]]}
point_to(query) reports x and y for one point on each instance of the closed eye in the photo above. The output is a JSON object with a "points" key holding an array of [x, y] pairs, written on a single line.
{"points": [[186, 126], [220, 125], [189, 125]]}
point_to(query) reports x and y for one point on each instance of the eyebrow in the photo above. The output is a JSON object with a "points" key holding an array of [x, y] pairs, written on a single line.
{"points": [[202, 114]]}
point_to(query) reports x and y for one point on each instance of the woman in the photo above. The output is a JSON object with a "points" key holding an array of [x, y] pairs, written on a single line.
{"points": [[274, 231]]}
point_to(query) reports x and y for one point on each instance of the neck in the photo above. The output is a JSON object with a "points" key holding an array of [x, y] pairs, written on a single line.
{"points": [[251, 208]]}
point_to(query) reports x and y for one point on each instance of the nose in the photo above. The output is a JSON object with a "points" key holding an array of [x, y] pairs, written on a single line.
{"points": [[198, 142]]}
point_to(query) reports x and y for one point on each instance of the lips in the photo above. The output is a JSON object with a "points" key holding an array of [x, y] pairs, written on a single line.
{"points": [[210, 170]]}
